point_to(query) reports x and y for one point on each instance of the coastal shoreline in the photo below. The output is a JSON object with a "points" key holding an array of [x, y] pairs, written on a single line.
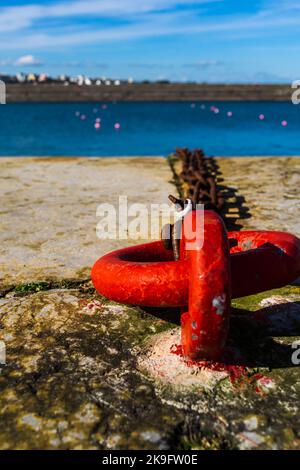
{"points": [[57, 93]]}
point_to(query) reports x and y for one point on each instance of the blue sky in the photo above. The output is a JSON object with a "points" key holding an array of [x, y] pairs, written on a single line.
{"points": [[201, 40]]}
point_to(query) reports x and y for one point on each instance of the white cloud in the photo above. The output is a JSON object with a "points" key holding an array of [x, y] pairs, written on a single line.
{"points": [[26, 60], [118, 7], [202, 64], [20, 26], [22, 17], [18, 18]]}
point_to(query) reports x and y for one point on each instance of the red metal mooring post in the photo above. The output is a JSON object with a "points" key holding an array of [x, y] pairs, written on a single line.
{"points": [[205, 325], [203, 278]]}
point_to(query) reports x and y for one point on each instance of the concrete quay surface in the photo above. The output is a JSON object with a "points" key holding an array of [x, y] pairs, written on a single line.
{"points": [[48, 214], [82, 372]]}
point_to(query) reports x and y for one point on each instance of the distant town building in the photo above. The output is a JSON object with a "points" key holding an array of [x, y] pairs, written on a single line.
{"points": [[79, 80], [31, 78]]}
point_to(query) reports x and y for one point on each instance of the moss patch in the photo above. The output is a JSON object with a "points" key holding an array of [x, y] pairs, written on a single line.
{"points": [[71, 380]]}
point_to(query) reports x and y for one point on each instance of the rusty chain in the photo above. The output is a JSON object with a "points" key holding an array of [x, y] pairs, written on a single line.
{"points": [[198, 179], [199, 174]]}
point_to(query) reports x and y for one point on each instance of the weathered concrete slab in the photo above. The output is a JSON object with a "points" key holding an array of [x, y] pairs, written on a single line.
{"points": [[77, 376], [70, 380], [48, 214], [85, 373], [48, 211], [171, 369], [271, 188], [262, 193]]}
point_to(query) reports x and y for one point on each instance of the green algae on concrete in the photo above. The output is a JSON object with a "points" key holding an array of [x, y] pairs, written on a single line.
{"points": [[72, 379], [261, 408]]}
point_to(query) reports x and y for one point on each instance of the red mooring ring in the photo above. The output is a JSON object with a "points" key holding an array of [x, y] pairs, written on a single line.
{"points": [[204, 278]]}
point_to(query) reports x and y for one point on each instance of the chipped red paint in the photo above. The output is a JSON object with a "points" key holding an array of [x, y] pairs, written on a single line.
{"points": [[204, 278], [204, 326], [262, 383], [239, 375], [235, 372]]}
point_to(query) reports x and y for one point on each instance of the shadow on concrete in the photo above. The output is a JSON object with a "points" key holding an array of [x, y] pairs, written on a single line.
{"points": [[260, 339], [234, 208], [265, 337]]}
